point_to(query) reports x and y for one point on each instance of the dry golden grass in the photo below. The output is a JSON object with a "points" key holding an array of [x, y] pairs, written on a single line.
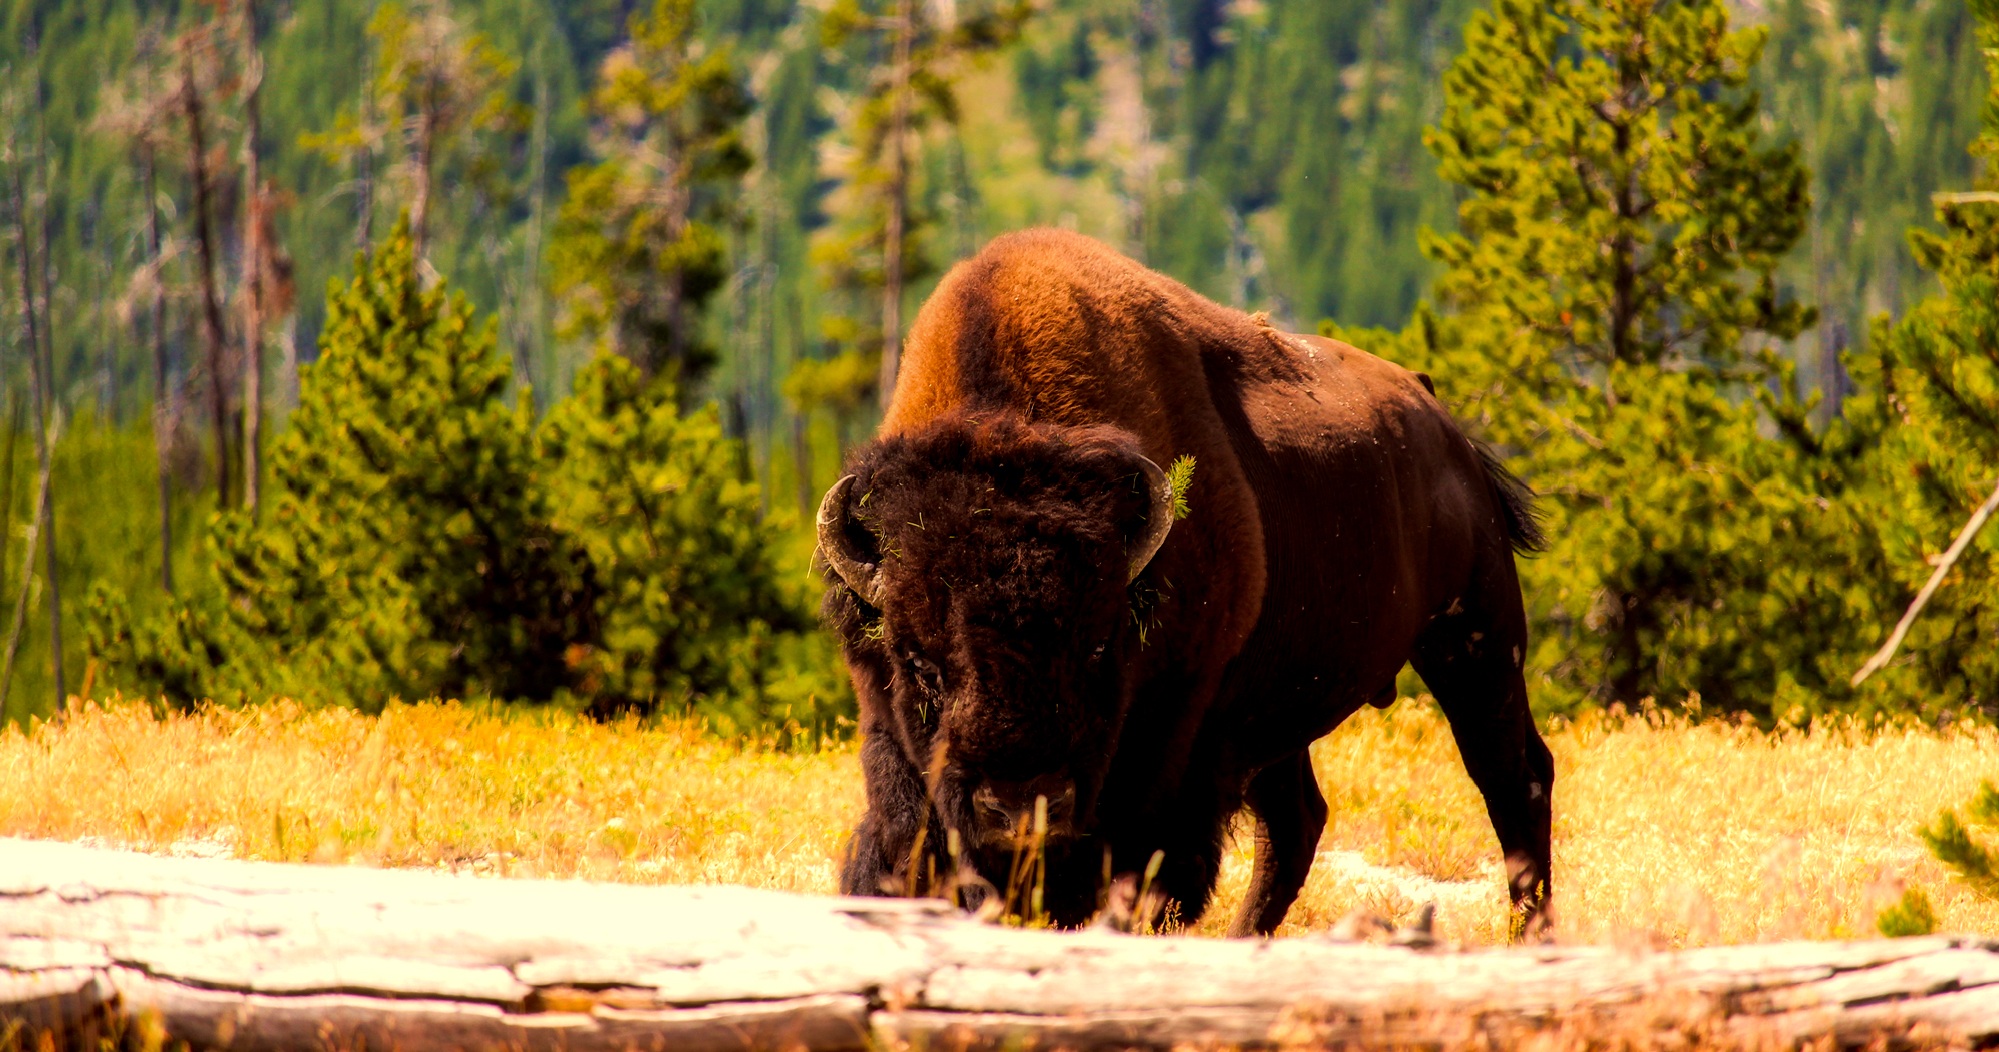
{"points": [[1665, 831]]}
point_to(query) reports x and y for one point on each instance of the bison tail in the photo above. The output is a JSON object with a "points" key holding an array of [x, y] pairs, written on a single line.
{"points": [[1516, 503]]}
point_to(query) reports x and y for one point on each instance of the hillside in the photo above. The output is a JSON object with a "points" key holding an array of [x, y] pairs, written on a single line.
{"points": [[1269, 152]]}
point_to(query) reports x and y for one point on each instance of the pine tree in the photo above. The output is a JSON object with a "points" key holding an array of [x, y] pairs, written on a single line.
{"points": [[1608, 306], [690, 597], [424, 538], [877, 251], [438, 93], [407, 551], [638, 246], [1936, 371]]}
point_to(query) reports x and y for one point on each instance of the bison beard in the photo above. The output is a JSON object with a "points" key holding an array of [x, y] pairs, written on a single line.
{"points": [[1038, 649]]}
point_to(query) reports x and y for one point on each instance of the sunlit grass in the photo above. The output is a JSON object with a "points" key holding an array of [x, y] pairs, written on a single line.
{"points": [[1665, 831]]}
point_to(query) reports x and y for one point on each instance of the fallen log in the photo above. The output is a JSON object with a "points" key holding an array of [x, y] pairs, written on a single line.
{"points": [[98, 945]]}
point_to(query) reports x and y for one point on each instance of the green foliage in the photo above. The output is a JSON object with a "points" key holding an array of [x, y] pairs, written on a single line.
{"points": [[1913, 915], [1623, 221], [1623, 206], [1931, 387], [689, 603], [426, 540], [1954, 845], [843, 385], [97, 539], [851, 249], [638, 247]]}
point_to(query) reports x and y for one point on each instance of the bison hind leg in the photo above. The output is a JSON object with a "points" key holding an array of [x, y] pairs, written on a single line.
{"points": [[1472, 662]]}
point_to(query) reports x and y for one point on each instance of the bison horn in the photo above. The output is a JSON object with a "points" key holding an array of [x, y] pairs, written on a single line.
{"points": [[1158, 520], [861, 575]]}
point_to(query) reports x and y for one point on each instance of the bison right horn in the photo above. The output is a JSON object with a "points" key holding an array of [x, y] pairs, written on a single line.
{"points": [[861, 575], [1158, 520]]}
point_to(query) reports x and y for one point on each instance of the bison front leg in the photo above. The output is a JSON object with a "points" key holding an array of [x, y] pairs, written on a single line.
{"points": [[1290, 814], [894, 849], [1471, 662]]}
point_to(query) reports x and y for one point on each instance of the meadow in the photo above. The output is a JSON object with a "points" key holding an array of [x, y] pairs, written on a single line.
{"points": [[1667, 831]]}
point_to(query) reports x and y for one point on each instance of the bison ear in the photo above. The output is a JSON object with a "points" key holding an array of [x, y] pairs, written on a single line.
{"points": [[858, 571], [1158, 518]]}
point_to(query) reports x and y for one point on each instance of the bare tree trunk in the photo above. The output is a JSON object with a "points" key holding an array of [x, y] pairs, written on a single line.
{"points": [[801, 455], [32, 322], [211, 305], [364, 167], [898, 202], [253, 252], [162, 420], [14, 410], [420, 198], [530, 311], [42, 441], [1964, 536], [48, 357]]}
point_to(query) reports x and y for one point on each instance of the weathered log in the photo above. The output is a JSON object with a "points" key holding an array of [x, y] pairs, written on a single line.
{"points": [[95, 944]]}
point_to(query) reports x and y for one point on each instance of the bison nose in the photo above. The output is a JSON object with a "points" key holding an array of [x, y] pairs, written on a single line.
{"points": [[1007, 809]]}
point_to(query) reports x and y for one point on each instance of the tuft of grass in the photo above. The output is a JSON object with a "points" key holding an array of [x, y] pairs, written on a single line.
{"points": [[1667, 832], [1179, 477]]}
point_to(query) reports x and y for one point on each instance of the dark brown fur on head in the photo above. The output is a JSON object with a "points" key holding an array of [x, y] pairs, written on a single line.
{"points": [[1003, 549]]}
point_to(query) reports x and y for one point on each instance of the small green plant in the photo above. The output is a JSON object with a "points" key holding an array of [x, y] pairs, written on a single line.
{"points": [[1913, 915], [1951, 841]]}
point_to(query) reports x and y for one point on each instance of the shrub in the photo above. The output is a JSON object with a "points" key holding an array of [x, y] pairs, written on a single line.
{"points": [[427, 539]]}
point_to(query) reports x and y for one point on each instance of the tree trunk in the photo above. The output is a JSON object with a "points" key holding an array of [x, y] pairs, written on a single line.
{"points": [[193, 110], [364, 165], [253, 258], [529, 325], [48, 355], [162, 397], [253, 956], [20, 620], [34, 320], [898, 201], [426, 142]]}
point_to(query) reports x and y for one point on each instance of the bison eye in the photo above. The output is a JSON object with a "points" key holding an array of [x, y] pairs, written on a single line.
{"points": [[927, 673]]}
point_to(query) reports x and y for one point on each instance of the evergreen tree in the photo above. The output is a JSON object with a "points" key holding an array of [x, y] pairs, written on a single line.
{"points": [[1608, 300], [638, 247], [426, 539], [408, 551], [689, 604], [438, 93], [1936, 377], [876, 252]]}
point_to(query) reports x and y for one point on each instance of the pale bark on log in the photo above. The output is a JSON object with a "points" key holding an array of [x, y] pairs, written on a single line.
{"points": [[245, 956]]}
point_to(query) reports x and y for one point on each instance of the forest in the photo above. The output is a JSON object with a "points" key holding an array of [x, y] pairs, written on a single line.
{"points": [[501, 348]]}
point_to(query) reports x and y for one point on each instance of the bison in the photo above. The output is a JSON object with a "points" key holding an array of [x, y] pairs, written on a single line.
{"points": [[1040, 649]]}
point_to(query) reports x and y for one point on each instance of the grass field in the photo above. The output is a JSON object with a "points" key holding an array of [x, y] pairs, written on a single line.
{"points": [[1665, 832]]}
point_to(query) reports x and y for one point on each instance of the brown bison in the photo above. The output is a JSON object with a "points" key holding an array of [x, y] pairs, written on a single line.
{"points": [[1028, 627]]}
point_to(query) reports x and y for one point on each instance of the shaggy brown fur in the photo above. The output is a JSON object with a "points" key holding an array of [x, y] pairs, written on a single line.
{"points": [[1341, 527]]}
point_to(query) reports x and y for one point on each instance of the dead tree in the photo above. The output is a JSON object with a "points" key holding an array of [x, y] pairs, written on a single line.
{"points": [[253, 257], [897, 220], [194, 110], [35, 338]]}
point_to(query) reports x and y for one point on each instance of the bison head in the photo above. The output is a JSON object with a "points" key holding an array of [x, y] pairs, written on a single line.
{"points": [[981, 573]]}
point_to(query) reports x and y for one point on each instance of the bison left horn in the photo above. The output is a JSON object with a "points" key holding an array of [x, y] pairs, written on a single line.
{"points": [[1158, 520], [861, 575]]}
